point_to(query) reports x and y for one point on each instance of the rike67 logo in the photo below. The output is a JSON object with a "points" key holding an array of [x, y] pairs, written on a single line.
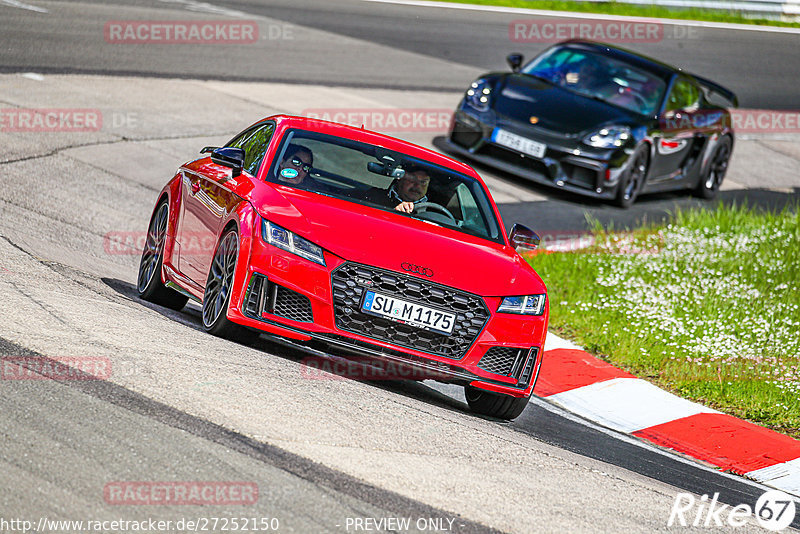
{"points": [[774, 510]]}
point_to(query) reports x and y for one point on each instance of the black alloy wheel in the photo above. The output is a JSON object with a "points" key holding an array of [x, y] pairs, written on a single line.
{"points": [[218, 292], [711, 180], [148, 282], [632, 180]]}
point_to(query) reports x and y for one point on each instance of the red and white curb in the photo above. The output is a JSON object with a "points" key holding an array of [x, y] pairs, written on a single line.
{"points": [[595, 390]]}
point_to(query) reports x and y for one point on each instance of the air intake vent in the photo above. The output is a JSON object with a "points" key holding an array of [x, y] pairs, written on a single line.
{"points": [[502, 360], [265, 296]]}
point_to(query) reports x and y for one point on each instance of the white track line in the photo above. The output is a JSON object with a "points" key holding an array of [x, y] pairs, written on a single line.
{"points": [[592, 16]]}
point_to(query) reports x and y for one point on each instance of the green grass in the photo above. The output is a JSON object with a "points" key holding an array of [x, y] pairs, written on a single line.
{"points": [[615, 8], [707, 307]]}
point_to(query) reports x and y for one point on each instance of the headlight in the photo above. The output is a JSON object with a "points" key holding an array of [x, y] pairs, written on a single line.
{"points": [[478, 94], [526, 305], [611, 136], [289, 241]]}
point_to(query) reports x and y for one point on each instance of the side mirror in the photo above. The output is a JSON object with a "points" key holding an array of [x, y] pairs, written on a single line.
{"points": [[514, 61], [524, 238], [232, 158]]}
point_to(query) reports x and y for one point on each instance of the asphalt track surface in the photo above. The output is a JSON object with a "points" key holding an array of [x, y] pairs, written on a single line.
{"points": [[761, 67], [62, 439]]}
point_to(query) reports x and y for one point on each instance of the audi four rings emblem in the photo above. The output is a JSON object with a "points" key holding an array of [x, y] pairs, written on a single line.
{"points": [[416, 269]]}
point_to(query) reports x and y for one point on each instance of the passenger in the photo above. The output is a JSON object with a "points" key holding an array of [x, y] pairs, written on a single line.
{"points": [[404, 193], [296, 165]]}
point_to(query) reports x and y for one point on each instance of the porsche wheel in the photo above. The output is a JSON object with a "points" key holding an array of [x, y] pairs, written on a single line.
{"points": [[632, 180], [218, 292], [494, 405], [711, 180], [148, 282]]}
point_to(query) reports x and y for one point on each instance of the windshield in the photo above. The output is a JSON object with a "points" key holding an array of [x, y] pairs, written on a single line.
{"points": [[384, 179], [596, 76]]}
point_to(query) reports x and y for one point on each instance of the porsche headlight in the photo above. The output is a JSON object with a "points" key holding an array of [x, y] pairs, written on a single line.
{"points": [[608, 137], [478, 94], [280, 237], [525, 305]]}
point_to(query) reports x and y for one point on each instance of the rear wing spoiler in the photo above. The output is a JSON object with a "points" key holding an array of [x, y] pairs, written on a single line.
{"points": [[714, 87]]}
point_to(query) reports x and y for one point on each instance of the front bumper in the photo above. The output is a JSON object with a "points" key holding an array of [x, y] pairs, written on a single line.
{"points": [[566, 164], [297, 300]]}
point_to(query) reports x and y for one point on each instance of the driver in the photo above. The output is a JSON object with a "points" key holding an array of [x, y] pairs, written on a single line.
{"points": [[404, 193]]}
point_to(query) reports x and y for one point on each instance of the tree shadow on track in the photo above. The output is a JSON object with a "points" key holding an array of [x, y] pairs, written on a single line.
{"points": [[191, 316]]}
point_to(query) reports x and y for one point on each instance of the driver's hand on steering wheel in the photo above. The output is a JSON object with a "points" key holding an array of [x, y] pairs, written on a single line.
{"points": [[405, 207]]}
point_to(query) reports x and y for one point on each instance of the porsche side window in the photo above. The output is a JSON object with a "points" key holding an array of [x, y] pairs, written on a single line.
{"points": [[684, 95], [254, 142]]}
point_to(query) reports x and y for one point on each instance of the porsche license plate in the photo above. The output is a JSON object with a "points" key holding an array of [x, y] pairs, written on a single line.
{"points": [[408, 313], [519, 143]]}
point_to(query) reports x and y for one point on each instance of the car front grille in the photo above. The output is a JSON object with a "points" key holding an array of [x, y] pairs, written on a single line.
{"points": [[265, 296], [350, 280]]}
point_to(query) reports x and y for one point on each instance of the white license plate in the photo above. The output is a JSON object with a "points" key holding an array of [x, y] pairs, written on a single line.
{"points": [[409, 313], [519, 143]]}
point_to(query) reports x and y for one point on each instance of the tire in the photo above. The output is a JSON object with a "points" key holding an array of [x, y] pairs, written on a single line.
{"points": [[217, 294], [711, 179], [148, 281], [632, 180], [493, 404]]}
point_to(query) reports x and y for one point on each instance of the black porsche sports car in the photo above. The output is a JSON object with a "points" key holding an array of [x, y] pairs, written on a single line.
{"points": [[598, 120]]}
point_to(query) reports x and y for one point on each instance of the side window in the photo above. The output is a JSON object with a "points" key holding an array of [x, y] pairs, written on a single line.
{"points": [[684, 95], [254, 143]]}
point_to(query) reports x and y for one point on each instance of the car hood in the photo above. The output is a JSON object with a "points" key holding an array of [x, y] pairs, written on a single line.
{"points": [[385, 239], [520, 97]]}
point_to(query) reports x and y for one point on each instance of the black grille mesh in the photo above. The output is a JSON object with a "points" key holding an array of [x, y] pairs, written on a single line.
{"points": [[501, 360], [351, 280], [292, 305]]}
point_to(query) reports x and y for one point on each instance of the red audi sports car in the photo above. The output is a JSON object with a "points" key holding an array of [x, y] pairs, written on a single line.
{"points": [[350, 243]]}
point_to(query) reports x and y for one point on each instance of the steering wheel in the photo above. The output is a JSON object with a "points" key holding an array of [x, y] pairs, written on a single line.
{"points": [[643, 105], [422, 207], [638, 99]]}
